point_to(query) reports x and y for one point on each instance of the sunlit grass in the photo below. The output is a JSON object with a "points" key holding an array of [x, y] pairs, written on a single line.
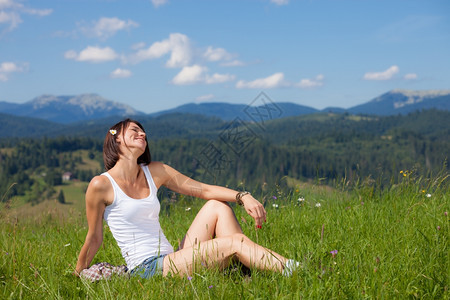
{"points": [[359, 242]]}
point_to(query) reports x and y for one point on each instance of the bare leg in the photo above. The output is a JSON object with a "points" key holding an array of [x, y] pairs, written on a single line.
{"points": [[215, 219], [218, 252]]}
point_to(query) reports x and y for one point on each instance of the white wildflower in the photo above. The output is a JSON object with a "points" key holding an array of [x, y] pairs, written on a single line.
{"points": [[301, 200], [275, 205], [318, 205], [428, 195], [187, 209]]}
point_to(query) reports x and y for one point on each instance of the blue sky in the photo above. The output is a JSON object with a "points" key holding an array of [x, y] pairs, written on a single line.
{"points": [[156, 55]]}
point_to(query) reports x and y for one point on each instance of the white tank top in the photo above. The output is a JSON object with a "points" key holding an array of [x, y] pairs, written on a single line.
{"points": [[135, 225]]}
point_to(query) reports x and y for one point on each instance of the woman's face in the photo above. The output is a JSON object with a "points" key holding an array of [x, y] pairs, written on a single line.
{"points": [[134, 138]]}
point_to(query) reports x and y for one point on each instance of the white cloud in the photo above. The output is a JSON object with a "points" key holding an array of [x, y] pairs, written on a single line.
{"points": [[107, 27], [71, 54], [181, 51], [217, 54], [181, 54], [138, 46], [410, 76], [274, 81], [11, 10], [198, 74], [204, 98], [7, 68], [218, 78], [6, 4], [190, 75], [277, 80], [92, 55], [10, 19], [280, 2], [311, 83], [120, 73], [158, 3], [233, 63], [385, 75], [38, 12], [178, 45]]}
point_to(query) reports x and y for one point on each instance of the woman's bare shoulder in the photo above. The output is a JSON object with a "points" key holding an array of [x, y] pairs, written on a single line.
{"points": [[161, 168], [160, 172], [156, 164], [99, 184], [99, 181]]}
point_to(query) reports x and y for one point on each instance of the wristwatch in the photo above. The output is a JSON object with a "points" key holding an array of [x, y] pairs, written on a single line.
{"points": [[239, 197]]}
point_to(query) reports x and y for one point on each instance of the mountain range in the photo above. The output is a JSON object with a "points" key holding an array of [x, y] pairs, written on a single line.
{"points": [[88, 107], [68, 109]]}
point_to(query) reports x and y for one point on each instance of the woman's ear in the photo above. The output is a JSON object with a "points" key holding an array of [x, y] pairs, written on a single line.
{"points": [[118, 139]]}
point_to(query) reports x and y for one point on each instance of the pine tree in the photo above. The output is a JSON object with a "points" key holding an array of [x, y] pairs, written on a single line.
{"points": [[61, 198]]}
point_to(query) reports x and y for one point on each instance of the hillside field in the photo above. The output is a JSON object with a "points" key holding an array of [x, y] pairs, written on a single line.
{"points": [[354, 242]]}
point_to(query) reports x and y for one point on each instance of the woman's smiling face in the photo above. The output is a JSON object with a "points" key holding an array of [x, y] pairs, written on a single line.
{"points": [[134, 137]]}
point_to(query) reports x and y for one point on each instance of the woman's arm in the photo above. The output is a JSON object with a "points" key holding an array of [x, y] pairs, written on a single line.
{"points": [[95, 206], [177, 182]]}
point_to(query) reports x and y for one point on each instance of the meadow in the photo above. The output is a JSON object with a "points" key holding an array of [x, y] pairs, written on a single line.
{"points": [[355, 241]]}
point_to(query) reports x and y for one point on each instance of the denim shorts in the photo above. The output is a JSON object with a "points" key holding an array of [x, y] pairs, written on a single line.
{"points": [[150, 267]]}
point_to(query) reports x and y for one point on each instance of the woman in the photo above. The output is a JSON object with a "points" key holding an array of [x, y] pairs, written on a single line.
{"points": [[125, 196]]}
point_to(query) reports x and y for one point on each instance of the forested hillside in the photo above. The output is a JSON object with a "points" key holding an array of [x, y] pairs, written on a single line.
{"points": [[32, 167], [328, 148]]}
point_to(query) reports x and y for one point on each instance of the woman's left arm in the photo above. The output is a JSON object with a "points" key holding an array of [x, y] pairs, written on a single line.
{"points": [[177, 182]]}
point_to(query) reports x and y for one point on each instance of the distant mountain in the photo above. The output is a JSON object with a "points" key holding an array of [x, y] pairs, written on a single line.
{"points": [[392, 103], [6, 106], [228, 111], [403, 102], [433, 123], [68, 109], [89, 107]]}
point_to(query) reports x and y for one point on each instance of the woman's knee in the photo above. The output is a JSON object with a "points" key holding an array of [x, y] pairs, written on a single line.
{"points": [[231, 244], [216, 205]]}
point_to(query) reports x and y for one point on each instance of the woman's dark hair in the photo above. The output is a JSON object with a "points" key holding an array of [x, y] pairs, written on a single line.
{"points": [[111, 149]]}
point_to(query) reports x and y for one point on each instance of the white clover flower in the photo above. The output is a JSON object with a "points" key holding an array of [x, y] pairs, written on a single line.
{"points": [[318, 205], [428, 195], [275, 205], [187, 209]]}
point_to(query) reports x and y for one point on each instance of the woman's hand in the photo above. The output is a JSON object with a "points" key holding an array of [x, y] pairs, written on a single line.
{"points": [[255, 209], [76, 273]]}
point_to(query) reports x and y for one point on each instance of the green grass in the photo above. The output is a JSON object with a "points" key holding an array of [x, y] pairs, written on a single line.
{"points": [[392, 244]]}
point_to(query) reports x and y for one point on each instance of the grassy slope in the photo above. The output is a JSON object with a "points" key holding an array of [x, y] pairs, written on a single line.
{"points": [[391, 244]]}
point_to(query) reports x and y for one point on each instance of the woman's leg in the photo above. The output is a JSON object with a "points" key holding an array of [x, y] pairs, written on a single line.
{"points": [[215, 219], [218, 252]]}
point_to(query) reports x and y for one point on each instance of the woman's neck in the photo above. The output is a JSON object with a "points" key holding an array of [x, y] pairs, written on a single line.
{"points": [[126, 170]]}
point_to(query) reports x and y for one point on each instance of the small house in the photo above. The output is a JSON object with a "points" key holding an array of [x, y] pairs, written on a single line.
{"points": [[67, 176]]}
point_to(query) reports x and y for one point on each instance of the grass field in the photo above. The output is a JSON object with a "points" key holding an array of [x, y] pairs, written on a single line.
{"points": [[353, 244]]}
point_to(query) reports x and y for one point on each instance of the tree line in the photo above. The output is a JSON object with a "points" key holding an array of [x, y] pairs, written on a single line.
{"points": [[326, 148]]}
